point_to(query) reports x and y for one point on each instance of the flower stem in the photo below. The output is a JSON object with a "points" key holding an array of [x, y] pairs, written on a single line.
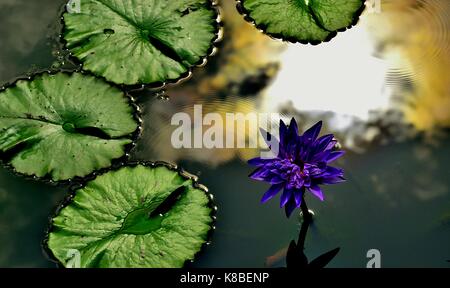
{"points": [[306, 215], [307, 218]]}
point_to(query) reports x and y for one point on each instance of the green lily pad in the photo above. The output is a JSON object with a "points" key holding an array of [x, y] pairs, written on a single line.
{"points": [[137, 216], [141, 41], [64, 125], [304, 21]]}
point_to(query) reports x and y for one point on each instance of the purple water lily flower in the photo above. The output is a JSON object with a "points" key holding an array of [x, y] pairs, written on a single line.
{"points": [[302, 165]]}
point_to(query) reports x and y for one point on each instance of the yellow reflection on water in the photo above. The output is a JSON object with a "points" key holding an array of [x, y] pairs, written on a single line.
{"points": [[413, 35], [395, 59]]}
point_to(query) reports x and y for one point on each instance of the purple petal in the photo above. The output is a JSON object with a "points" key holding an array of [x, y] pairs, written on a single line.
{"points": [[289, 208], [259, 174], [258, 161], [321, 156], [333, 180], [298, 195], [315, 189], [291, 147], [313, 171], [289, 141], [273, 190], [293, 129], [322, 143], [333, 172], [331, 145], [276, 180], [312, 133], [283, 137], [307, 181], [287, 193], [334, 155]]}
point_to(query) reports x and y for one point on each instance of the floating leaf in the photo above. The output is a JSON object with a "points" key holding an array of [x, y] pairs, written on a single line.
{"points": [[64, 125], [141, 41], [133, 217], [304, 21]]}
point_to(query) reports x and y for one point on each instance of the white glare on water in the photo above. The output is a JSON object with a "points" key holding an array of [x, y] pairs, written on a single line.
{"points": [[342, 76]]}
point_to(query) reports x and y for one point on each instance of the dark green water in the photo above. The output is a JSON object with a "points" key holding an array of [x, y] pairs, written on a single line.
{"points": [[396, 199]]}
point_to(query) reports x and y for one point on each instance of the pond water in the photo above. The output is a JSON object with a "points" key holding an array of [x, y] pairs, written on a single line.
{"points": [[393, 122]]}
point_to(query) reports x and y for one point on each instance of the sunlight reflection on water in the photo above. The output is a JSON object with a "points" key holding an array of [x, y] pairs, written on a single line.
{"points": [[342, 76]]}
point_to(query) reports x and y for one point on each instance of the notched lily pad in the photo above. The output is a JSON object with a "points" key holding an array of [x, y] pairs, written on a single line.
{"points": [[63, 126], [137, 216], [141, 41], [304, 21]]}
